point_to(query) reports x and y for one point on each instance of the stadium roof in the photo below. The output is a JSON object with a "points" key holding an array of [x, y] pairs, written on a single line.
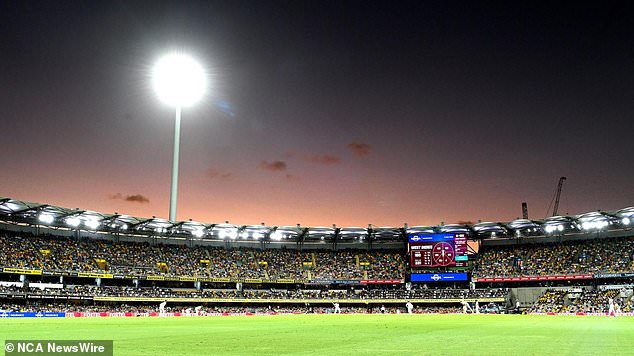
{"points": [[64, 218]]}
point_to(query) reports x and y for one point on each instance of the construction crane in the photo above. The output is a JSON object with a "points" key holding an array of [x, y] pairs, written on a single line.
{"points": [[556, 197]]}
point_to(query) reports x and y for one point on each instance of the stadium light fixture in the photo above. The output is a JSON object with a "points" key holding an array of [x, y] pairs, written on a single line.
{"points": [[198, 233], [589, 225], [257, 235], [244, 235], [179, 81], [73, 221], [626, 221], [276, 235], [92, 224], [232, 234], [46, 218]]}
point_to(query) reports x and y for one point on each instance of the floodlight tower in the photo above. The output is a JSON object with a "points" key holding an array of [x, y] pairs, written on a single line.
{"points": [[179, 81]]}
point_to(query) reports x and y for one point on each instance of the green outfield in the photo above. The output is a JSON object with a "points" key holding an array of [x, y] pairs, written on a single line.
{"points": [[342, 334]]}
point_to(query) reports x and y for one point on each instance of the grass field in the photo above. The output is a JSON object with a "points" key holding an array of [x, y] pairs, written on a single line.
{"points": [[342, 334]]}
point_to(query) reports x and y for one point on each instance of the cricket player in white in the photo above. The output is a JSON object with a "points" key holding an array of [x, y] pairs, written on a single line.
{"points": [[337, 309], [477, 307], [611, 310], [410, 307], [466, 307], [162, 307], [197, 309]]}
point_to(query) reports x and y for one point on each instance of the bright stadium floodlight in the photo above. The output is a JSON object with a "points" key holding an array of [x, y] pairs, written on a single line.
{"points": [[626, 221], [73, 221], [46, 218], [92, 224], [198, 233], [276, 235], [232, 234], [179, 81]]}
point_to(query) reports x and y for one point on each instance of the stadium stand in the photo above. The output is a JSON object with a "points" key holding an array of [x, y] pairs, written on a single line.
{"points": [[594, 256], [586, 301], [140, 259], [550, 302], [257, 294], [302, 270]]}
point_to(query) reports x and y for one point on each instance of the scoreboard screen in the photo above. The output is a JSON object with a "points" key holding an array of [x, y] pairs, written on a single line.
{"points": [[438, 250]]}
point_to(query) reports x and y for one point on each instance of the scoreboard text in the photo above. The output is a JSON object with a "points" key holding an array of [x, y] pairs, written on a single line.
{"points": [[438, 250]]}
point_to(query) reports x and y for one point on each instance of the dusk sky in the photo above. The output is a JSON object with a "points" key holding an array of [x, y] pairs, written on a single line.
{"points": [[321, 112]]}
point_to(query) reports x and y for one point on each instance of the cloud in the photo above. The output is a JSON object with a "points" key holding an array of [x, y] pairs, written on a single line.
{"points": [[292, 177], [359, 149], [324, 159], [135, 198], [213, 173], [273, 166]]}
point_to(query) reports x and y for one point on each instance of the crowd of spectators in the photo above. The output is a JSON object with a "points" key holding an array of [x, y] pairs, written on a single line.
{"points": [[594, 256], [435, 293], [339, 265], [358, 265], [232, 264], [17, 252], [284, 264], [383, 265], [256, 294], [52, 253], [583, 301], [138, 259], [551, 301]]}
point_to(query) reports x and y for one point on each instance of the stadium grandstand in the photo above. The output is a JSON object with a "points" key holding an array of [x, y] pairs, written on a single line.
{"points": [[56, 259]]}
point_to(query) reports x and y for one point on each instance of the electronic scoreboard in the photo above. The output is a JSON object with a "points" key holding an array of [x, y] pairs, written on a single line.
{"points": [[437, 250]]}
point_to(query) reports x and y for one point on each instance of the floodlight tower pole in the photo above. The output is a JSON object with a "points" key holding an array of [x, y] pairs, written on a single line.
{"points": [[177, 143]]}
